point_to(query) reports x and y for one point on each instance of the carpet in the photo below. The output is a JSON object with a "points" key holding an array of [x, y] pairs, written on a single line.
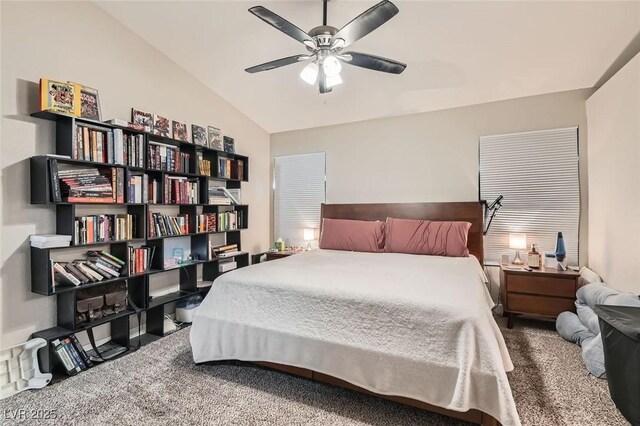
{"points": [[160, 384]]}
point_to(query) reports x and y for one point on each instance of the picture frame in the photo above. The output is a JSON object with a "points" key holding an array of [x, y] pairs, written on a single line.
{"points": [[198, 135], [143, 119], [89, 103], [180, 131], [162, 126], [60, 96], [229, 144], [214, 138]]}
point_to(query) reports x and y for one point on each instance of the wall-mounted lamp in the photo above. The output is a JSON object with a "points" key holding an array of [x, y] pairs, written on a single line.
{"points": [[490, 211]]}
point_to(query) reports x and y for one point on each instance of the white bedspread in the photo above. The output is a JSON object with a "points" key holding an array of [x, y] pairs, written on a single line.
{"points": [[395, 324]]}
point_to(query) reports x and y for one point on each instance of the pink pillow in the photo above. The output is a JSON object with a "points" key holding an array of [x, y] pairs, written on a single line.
{"points": [[427, 237], [352, 235]]}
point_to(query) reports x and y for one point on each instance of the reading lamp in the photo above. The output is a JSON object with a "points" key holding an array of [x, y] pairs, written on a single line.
{"points": [[490, 211], [309, 235], [518, 242]]}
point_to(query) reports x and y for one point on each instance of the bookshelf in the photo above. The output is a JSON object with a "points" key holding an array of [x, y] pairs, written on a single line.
{"points": [[140, 214]]}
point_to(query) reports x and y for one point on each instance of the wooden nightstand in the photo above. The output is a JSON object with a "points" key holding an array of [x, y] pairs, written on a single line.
{"points": [[280, 254], [544, 292]]}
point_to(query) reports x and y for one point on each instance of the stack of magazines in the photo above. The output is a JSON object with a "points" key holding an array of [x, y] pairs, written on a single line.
{"points": [[50, 241]]}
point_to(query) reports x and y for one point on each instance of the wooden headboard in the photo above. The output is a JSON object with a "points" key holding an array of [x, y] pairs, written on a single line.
{"points": [[463, 211]]}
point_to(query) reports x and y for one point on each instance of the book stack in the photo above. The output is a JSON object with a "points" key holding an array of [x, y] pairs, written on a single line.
{"points": [[140, 259], [227, 266], [180, 190], [225, 250], [138, 187], [163, 225], [98, 266], [95, 143], [71, 354], [90, 185], [103, 228], [217, 197], [230, 221], [50, 241], [169, 158], [206, 222], [231, 169]]}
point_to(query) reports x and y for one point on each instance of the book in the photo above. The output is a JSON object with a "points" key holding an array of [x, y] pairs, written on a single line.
{"points": [[227, 266], [81, 351], [142, 118], [180, 131], [62, 276], [65, 358], [214, 138], [50, 241], [59, 96], [161, 126], [198, 135], [89, 103], [56, 195], [75, 355]]}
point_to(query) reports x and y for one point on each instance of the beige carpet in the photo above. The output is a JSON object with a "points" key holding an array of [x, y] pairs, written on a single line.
{"points": [[160, 385]]}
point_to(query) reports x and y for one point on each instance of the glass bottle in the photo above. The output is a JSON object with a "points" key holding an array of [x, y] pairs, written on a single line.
{"points": [[533, 257]]}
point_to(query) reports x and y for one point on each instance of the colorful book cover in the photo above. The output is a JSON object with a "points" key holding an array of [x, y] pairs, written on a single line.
{"points": [[199, 135], [89, 103], [59, 96], [162, 126], [229, 145], [143, 119], [215, 138], [180, 131]]}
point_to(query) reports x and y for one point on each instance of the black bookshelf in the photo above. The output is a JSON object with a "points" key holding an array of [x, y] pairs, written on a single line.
{"points": [[138, 285]]}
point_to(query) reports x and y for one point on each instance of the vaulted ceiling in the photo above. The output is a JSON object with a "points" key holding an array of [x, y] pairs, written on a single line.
{"points": [[458, 53]]}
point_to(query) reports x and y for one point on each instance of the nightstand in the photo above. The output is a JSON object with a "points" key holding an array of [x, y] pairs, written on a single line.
{"points": [[543, 292], [280, 254]]}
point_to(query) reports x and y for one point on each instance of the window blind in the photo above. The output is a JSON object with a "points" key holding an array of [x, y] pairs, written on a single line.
{"points": [[298, 192], [537, 173]]}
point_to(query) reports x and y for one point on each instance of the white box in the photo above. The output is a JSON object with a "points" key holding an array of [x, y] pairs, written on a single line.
{"points": [[227, 266], [550, 261]]}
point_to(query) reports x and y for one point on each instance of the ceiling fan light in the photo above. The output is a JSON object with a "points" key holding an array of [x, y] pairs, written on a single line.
{"points": [[331, 66], [333, 80], [310, 73]]}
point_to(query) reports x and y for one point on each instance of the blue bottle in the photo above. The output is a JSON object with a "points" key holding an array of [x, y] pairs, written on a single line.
{"points": [[561, 252]]}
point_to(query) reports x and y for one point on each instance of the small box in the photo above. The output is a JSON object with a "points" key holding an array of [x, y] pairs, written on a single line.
{"points": [[550, 261], [227, 266]]}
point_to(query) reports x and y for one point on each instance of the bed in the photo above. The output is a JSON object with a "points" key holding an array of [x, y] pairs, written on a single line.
{"points": [[415, 329]]}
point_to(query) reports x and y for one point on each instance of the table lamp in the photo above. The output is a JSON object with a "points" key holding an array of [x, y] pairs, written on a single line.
{"points": [[309, 235], [518, 242]]}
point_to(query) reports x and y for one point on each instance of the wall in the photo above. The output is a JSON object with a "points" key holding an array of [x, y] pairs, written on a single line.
{"points": [[431, 156], [77, 41], [614, 178]]}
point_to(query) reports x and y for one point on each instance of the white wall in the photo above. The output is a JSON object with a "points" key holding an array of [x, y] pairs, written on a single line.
{"points": [[613, 114], [77, 41]]}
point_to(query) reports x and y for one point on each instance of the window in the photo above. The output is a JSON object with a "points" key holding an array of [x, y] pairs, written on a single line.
{"points": [[537, 173], [298, 192]]}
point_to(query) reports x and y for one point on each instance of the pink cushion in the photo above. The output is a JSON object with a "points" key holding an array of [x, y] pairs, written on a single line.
{"points": [[352, 235], [427, 237]]}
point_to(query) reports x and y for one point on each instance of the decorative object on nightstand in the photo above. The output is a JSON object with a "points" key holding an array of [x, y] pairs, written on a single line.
{"points": [[533, 257], [543, 292], [561, 252], [309, 235], [518, 242]]}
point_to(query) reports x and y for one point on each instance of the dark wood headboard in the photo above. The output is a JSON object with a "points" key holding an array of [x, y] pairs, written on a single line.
{"points": [[463, 211]]}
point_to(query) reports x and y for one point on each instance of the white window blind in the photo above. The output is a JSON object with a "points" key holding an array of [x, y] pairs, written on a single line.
{"points": [[537, 173], [298, 192]]}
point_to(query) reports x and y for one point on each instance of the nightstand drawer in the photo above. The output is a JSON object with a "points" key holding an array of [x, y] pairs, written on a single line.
{"points": [[547, 286], [540, 305]]}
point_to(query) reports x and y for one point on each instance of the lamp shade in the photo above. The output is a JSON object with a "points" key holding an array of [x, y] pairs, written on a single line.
{"points": [[309, 234], [518, 241]]}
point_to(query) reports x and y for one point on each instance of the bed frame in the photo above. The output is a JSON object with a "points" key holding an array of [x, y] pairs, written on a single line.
{"points": [[461, 211]]}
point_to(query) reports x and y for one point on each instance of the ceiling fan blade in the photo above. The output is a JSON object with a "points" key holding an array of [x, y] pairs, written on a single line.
{"points": [[366, 22], [372, 62], [322, 80], [283, 25], [277, 63]]}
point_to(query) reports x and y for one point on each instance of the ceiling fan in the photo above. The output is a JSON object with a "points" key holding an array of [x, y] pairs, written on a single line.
{"points": [[325, 45]]}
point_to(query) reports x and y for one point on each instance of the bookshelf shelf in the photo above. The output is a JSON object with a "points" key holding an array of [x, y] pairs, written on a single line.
{"points": [[44, 179]]}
